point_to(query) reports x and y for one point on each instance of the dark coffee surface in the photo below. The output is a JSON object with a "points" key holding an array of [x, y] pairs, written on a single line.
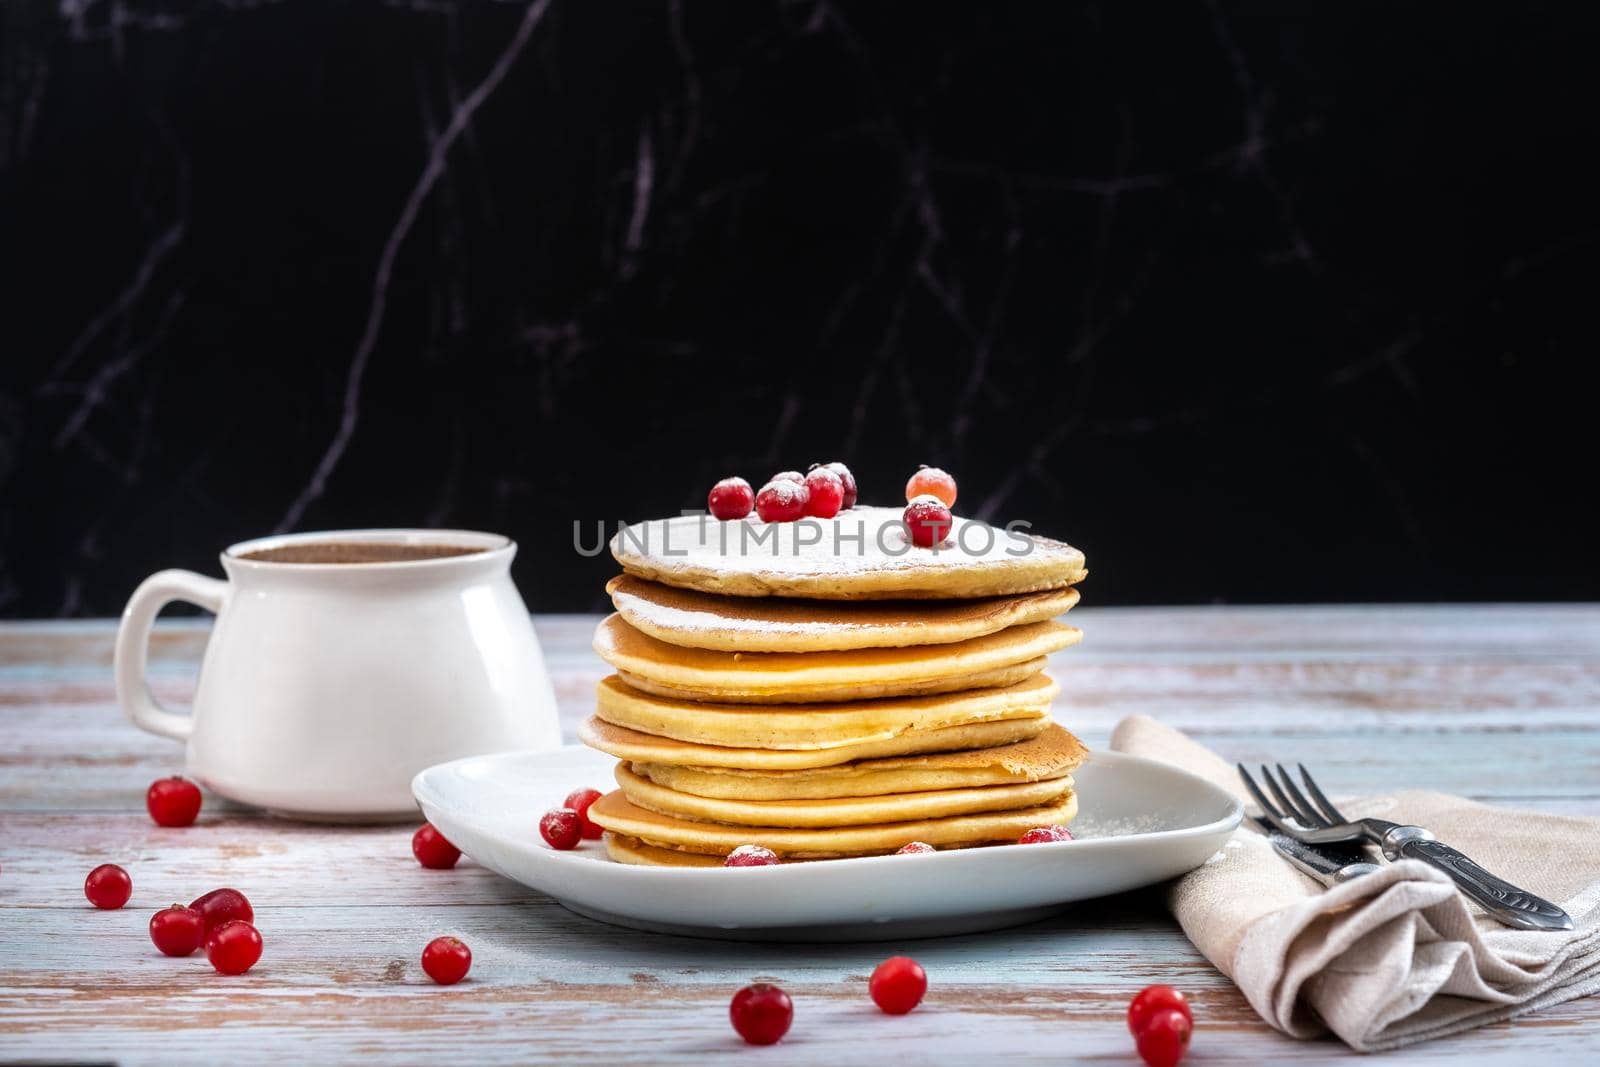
{"points": [[356, 552]]}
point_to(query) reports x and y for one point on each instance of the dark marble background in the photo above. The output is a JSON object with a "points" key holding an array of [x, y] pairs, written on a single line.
{"points": [[1265, 302]]}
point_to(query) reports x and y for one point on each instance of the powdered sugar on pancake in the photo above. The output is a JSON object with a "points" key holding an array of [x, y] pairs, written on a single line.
{"points": [[862, 552], [688, 620]]}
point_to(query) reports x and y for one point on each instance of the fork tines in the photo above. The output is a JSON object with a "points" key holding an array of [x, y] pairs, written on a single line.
{"points": [[1292, 804]]}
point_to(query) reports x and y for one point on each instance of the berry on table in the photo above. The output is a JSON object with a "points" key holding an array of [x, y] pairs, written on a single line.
{"points": [[761, 1013], [579, 800], [913, 847], [223, 906], [781, 500], [1154, 998], [928, 521], [108, 886], [731, 498], [898, 984], [561, 828], [447, 960], [824, 493], [172, 801], [751, 856], [849, 481], [177, 931], [1164, 1038], [788, 476], [931, 481], [1040, 834], [432, 850], [234, 947]]}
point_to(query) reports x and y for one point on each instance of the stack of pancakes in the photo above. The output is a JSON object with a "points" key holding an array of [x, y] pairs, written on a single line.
{"points": [[830, 692]]}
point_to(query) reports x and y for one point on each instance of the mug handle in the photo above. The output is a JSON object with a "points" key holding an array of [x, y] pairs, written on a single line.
{"points": [[133, 645]]}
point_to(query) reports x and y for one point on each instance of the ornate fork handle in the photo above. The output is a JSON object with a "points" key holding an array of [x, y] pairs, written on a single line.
{"points": [[1508, 903]]}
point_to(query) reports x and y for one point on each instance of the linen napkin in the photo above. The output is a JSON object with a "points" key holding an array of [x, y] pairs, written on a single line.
{"points": [[1395, 957]]}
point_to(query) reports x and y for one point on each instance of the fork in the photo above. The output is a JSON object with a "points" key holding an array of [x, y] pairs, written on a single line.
{"points": [[1316, 821]]}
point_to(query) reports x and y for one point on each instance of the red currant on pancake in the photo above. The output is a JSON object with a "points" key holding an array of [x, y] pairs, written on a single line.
{"points": [[928, 521], [782, 500], [849, 481], [931, 481], [731, 498], [824, 493], [788, 476]]}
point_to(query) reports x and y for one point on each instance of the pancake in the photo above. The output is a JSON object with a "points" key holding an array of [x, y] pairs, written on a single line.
{"points": [[629, 744], [839, 811], [862, 554], [620, 816], [632, 850], [815, 726], [1054, 753], [776, 624], [995, 659]]}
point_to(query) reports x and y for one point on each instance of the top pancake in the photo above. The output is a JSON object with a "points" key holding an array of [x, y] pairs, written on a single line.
{"points": [[861, 554], [778, 624]]}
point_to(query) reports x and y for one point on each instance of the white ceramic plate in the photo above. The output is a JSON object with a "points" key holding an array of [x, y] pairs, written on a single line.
{"points": [[1138, 822]]}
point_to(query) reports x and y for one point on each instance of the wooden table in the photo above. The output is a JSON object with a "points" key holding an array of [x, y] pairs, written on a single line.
{"points": [[1500, 703]]}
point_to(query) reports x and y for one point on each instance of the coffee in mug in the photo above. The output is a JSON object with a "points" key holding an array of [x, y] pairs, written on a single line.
{"points": [[342, 664]]}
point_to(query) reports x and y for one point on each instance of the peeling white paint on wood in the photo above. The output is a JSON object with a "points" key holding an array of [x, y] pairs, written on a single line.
{"points": [[1496, 702]]}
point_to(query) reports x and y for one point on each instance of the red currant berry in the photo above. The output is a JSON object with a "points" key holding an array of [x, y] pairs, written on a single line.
{"points": [[751, 856], [897, 985], [223, 906], [761, 1013], [928, 521], [824, 494], [849, 481], [432, 850], [931, 481], [731, 498], [234, 947], [1041, 834], [579, 800], [788, 476], [561, 828], [782, 501], [1165, 1038], [1154, 998], [177, 931], [108, 886], [447, 960], [173, 801], [914, 847]]}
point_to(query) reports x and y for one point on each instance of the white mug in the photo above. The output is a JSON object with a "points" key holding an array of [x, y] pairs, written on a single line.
{"points": [[327, 686]]}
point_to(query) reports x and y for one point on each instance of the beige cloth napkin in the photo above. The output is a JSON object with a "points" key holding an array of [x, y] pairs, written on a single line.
{"points": [[1395, 957]]}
